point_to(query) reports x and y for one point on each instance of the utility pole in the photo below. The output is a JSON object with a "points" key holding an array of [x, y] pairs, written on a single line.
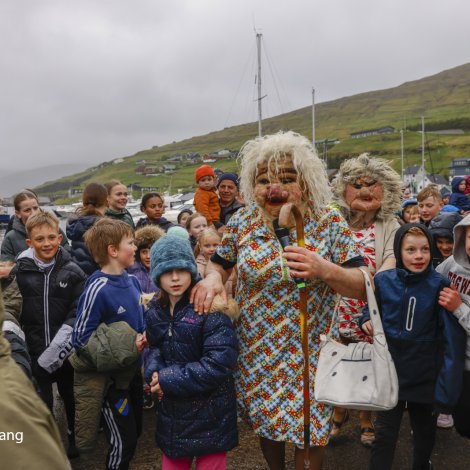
{"points": [[313, 117], [422, 151], [258, 46], [402, 156]]}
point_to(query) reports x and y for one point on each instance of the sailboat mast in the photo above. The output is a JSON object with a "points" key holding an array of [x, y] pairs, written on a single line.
{"points": [[260, 114]]}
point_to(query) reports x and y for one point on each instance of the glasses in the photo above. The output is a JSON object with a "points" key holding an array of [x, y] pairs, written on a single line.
{"points": [[366, 184]]}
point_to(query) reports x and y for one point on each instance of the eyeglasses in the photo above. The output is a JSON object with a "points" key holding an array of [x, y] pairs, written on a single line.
{"points": [[367, 184]]}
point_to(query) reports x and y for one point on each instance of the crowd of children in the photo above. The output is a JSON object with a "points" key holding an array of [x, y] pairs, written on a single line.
{"points": [[109, 315]]}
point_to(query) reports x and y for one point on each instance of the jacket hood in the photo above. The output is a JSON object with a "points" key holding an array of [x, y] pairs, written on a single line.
{"points": [[62, 256], [460, 253], [401, 232], [19, 226], [456, 180], [443, 224], [77, 227]]}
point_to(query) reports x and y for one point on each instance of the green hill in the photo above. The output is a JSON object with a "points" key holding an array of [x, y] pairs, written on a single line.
{"points": [[443, 99]]}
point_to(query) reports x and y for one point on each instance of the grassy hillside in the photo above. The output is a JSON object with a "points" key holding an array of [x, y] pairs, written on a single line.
{"points": [[441, 98]]}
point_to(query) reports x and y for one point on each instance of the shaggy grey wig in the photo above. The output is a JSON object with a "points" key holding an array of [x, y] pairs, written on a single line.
{"points": [[375, 168], [271, 150]]}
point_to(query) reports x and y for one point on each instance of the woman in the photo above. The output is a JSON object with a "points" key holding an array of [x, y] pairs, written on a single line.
{"points": [[367, 192], [276, 170], [117, 201]]}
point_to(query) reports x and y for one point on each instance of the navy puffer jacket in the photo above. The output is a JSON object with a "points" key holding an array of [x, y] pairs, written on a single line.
{"points": [[76, 228], [195, 356]]}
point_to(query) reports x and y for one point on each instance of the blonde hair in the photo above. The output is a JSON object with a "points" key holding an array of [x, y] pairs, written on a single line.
{"points": [[206, 233], [271, 150], [196, 215], [41, 218], [431, 190]]}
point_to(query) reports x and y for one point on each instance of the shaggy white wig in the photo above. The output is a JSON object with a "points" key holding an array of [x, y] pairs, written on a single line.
{"points": [[271, 150], [376, 168]]}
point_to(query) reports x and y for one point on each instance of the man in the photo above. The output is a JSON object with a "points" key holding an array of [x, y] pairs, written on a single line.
{"points": [[227, 187]]}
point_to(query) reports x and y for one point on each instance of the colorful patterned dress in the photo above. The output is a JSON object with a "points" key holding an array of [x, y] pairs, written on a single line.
{"points": [[269, 375]]}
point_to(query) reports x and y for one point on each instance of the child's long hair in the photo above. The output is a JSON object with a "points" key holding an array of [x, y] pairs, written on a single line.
{"points": [[94, 195], [207, 232]]}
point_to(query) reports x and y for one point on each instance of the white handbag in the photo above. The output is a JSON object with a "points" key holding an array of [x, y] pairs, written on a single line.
{"points": [[358, 376]]}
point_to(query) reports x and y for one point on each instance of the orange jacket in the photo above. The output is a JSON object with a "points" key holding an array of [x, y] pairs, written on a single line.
{"points": [[207, 204]]}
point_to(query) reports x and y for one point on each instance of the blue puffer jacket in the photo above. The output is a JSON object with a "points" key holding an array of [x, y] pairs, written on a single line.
{"points": [[458, 198], [195, 357], [76, 228]]}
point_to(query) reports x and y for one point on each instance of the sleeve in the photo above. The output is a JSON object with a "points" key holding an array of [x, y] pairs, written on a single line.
{"points": [[462, 314], [201, 203], [78, 283], [7, 251], [218, 361], [365, 316], [12, 299], [154, 361], [227, 252], [391, 228]]}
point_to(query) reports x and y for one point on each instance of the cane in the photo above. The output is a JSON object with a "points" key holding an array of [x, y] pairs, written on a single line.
{"points": [[285, 214]]}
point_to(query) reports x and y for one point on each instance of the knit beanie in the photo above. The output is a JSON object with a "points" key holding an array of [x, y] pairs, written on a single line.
{"points": [[170, 253], [177, 231], [204, 170], [228, 176]]}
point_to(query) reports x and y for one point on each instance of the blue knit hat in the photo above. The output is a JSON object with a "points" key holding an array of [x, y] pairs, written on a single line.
{"points": [[170, 253], [228, 176]]}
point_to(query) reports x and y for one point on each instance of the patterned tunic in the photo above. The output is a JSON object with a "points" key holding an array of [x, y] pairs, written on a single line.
{"points": [[269, 375]]}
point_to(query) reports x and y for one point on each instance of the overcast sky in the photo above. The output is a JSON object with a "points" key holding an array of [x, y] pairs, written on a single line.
{"points": [[92, 80]]}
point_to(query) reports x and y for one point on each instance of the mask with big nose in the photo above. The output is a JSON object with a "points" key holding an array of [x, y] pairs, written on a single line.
{"points": [[275, 194]]}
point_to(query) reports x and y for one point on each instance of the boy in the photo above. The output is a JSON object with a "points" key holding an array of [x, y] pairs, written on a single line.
{"points": [[456, 299], [442, 231], [429, 203], [427, 346], [50, 284], [206, 200], [112, 296]]}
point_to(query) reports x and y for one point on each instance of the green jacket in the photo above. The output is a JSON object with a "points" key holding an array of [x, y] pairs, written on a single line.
{"points": [[123, 215], [110, 356]]}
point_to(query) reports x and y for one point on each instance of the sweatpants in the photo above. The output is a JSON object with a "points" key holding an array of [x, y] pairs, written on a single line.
{"points": [[122, 411], [387, 427], [461, 412], [64, 379], [203, 462]]}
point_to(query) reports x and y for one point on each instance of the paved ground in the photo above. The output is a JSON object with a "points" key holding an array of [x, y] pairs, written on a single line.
{"points": [[450, 452]]}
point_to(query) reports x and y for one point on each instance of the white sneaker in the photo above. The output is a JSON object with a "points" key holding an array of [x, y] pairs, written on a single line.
{"points": [[445, 421]]}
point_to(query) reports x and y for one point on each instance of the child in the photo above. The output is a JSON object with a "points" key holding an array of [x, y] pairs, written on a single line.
{"points": [[183, 217], [458, 197], [442, 231], [446, 198], [457, 300], [112, 296], [145, 237], [153, 206], [26, 204], [50, 284], [429, 203], [195, 224], [426, 344], [117, 201], [207, 242], [190, 367], [94, 205], [409, 213], [206, 200]]}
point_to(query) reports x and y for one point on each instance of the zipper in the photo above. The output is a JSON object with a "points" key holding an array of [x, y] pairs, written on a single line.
{"points": [[47, 334]]}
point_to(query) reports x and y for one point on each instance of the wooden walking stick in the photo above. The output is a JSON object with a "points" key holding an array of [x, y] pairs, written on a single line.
{"points": [[287, 211]]}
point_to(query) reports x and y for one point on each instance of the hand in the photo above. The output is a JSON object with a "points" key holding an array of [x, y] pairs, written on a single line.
{"points": [[155, 386], [203, 293], [367, 328], [304, 263], [5, 268], [449, 298], [141, 342]]}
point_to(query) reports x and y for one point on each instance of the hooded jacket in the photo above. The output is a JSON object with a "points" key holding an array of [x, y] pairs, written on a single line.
{"points": [[426, 343], [163, 223], [50, 297], [15, 241], [442, 226], [195, 357], [76, 228], [457, 270], [458, 198]]}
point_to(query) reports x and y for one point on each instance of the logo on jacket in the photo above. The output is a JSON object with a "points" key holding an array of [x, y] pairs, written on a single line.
{"points": [[122, 406], [63, 284], [121, 309]]}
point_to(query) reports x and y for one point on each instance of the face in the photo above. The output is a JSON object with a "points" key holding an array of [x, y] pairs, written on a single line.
{"points": [[145, 257], [125, 254], [414, 218], [462, 186], [445, 200], [364, 195], [45, 240], [276, 186], [406, 193], [428, 208], [28, 207], [415, 253], [183, 218], [208, 245], [467, 241], [227, 191], [445, 246], [197, 226], [175, 283], [117, 199], [206, 183], [154, 208], [407, 212]]}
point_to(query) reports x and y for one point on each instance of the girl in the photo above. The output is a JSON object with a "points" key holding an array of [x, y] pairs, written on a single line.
{"points": [[94, 205], [195, 224], [183, 217], [26, 204], [117, 201], [207, 242], [190, 366], [153, 206]]}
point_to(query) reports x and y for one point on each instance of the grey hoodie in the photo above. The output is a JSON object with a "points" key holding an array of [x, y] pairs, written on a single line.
{"points": [[457, 269]]}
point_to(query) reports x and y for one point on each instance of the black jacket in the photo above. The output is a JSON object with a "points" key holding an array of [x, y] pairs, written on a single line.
{"points": [[163, 223], [50, 298], [442, 226]]}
